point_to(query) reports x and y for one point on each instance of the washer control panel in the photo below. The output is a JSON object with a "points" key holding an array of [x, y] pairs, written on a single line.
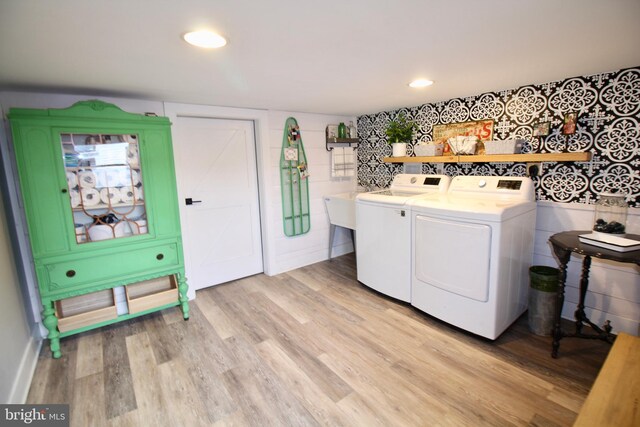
{"points": [[510, 184], [420, 183]]}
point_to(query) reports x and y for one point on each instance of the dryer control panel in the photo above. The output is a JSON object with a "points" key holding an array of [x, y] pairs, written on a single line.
{"points": [[516, 188]]}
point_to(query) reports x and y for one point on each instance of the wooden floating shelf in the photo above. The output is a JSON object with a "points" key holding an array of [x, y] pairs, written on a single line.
{"points": [[487, 158]]}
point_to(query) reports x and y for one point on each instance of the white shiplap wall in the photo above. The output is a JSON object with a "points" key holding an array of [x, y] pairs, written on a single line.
{"points": [[293, 252], [614, 288], [281, 253]]}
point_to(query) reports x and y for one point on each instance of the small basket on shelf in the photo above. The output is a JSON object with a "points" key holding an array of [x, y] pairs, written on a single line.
{"points": [[509, 146], [428, 149]]}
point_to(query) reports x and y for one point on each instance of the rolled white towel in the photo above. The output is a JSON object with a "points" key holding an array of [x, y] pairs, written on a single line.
{"points": [[75, 198], [135, 177], [90, 196], [109, 195], [138, 193], [133, 156], [72, 179], [126, 194], [87, 179]]}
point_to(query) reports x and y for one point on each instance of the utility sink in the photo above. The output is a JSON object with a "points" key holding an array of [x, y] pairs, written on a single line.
{"points": [[342, 209]]}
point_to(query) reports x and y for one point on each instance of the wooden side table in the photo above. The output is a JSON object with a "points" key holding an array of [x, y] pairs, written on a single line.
{"points": [[563, 245]]}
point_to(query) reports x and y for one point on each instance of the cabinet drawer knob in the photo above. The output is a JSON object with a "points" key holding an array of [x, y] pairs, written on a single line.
{"points": [[71, 273], [64, 190], [159, 257]]}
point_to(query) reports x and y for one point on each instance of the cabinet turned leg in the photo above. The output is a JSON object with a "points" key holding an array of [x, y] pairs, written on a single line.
{"points": [[184, 300], [50, 322]]}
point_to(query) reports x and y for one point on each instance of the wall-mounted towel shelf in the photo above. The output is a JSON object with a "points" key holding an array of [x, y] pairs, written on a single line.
{"points": [[341, 142], [333, 141]]}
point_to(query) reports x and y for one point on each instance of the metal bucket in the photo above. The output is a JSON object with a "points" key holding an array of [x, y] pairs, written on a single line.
{"points": [[542, 298]]}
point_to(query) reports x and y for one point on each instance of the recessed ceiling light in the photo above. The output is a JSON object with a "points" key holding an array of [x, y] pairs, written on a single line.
{"points": [[421, 83], [206, 39]]}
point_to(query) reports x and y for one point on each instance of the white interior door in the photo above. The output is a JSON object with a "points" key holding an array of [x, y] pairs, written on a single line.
{"points": [[218, 172]]}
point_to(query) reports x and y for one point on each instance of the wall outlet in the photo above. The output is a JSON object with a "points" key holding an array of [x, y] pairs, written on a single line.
{"points": [[534, 169]]}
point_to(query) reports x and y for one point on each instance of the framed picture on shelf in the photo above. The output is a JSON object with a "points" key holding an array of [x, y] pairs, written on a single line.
{"points": [[542, 129], [569, 124]]}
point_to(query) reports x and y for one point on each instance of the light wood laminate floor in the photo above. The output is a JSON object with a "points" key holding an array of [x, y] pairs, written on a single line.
{"points": [[312, 347]]}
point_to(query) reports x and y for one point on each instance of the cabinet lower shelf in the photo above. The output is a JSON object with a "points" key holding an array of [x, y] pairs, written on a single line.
{"points": [[95, 309], [487, 158], [84, 310], [151, 293]]}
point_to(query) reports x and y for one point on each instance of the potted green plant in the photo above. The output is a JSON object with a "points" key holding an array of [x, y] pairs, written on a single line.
{"points": [[399, 132]]}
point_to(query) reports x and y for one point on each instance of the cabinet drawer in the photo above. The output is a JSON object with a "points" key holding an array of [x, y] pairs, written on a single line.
{"points": [[110, 267], [151, 294], [85, 310]]}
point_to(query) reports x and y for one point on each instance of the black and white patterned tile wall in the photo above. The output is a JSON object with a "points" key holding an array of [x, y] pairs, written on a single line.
{"points": [[608, 107]]}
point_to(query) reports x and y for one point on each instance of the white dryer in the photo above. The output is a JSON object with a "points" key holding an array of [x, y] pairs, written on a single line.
{"points": [[383, 233], [471, 250]]}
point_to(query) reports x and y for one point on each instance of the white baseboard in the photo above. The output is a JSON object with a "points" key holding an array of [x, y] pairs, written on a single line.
{"points": [[25, 371], [303, 258]]}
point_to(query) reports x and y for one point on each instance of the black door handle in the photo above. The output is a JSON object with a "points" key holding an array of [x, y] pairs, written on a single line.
{"points": [[190, 201]]}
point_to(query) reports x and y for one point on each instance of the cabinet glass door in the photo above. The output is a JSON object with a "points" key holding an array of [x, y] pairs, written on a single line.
{"points": [[105, 184]]}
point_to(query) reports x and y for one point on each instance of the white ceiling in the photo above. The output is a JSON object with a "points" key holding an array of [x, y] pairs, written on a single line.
{"points": [[328, 56]]}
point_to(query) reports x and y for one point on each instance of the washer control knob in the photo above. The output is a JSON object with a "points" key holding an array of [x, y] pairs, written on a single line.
{"points": [[413, 179], [482, 183]]}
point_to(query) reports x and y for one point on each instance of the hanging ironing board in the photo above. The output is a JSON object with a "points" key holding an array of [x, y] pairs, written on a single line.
{"points": [[294, 184]]}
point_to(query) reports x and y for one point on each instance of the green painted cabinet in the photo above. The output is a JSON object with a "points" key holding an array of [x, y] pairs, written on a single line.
{"points": [[100, 199]]}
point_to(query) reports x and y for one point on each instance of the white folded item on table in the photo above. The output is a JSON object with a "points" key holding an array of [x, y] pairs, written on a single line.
{"points": [[610, 241]]}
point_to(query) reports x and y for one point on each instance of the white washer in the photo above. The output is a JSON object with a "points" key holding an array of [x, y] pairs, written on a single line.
{"points": [[472, 249], [383, 233]]}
